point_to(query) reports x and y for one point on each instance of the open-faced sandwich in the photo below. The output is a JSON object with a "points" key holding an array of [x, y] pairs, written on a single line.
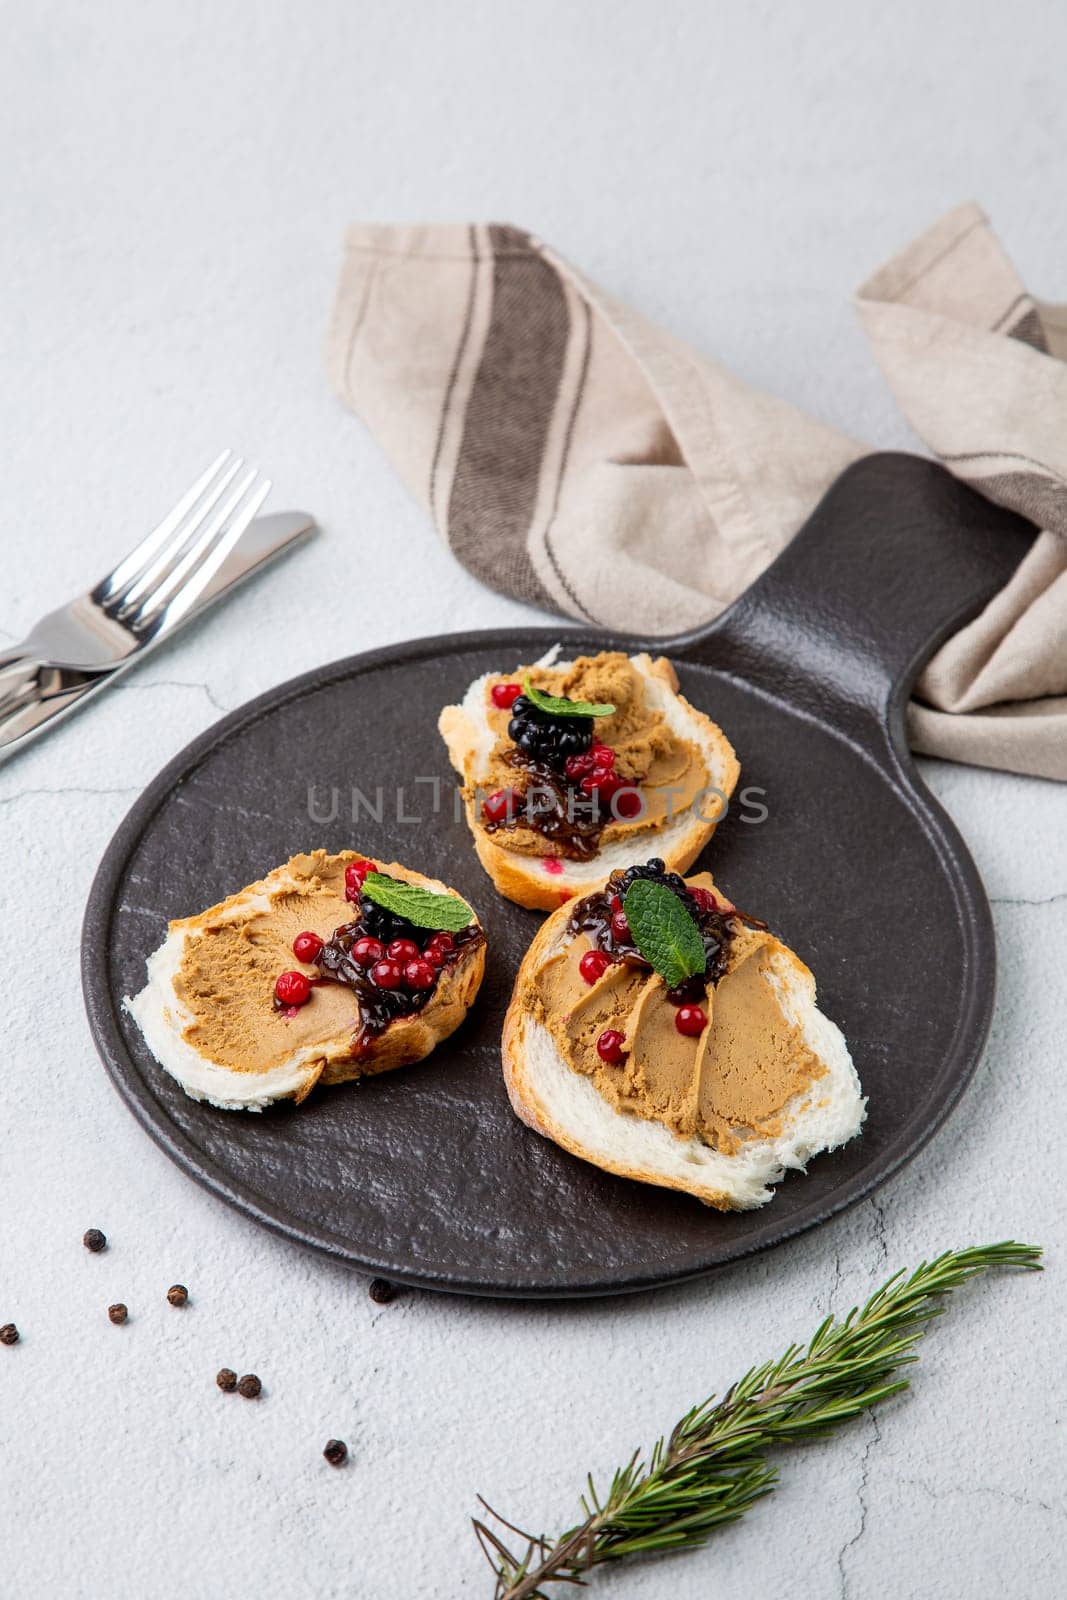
{"points": [[660, 1033], [573, 769], [331, 967]]}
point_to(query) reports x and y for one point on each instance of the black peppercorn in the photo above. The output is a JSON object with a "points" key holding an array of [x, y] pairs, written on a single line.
{"points": [[226, 1379], [250, 1386], [118, 1313], [177, 1294], [336, 1452], [9, 1334], [94, 1240], [381, 1291]]}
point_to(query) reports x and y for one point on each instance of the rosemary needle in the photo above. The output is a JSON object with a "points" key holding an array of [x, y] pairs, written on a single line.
{"points": [[713, 1465]]}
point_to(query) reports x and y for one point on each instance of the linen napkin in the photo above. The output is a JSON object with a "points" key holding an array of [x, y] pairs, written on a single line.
{"points": [[578, 457]]}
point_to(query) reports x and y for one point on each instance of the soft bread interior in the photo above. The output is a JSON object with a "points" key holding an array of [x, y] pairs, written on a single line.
{"points": [[567, 1107], [677, 841], [163, 1019]]}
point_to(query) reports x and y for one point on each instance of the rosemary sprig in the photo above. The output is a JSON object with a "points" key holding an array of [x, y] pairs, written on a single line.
{"points": [[713, 1466]]}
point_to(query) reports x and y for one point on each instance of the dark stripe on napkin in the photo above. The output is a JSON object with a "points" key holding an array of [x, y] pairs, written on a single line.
{"points": [[494, 491]]}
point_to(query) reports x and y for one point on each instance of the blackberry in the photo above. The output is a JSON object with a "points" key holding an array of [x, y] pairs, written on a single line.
{"points": [[654, 871], [546, 738], [386, 925]]}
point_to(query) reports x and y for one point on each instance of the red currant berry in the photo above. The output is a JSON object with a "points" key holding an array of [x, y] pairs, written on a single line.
{"points": [[439, 948], [292, 989], [504, 695], [609, 1047], [420, 974], [355, 873], [690, 1020], [627, 804], [578, 766], [306, 946], [500, 805], [705, 899], [402, 950], [601, 783], [366, 951], [602, 756], [387, 974], [621, 928], [593, 965], [616, 902]]}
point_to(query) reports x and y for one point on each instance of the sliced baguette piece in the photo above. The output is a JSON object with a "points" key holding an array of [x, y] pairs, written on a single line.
{"points": [[563, 1105], [164, 1019], [522, 878]]}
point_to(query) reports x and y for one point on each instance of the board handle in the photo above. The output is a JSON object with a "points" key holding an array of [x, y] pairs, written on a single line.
{"points": [[896, 556]]}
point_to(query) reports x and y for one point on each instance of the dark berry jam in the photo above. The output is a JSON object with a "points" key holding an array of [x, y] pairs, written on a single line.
{"points": [[379, 1007], [560, 811]]}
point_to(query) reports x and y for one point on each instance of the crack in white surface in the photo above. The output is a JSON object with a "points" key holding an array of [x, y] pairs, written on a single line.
{"points": [[874, 1437], [878, 1209], [65, 789], [1021, 900], [959, 1491], [174, 683]]}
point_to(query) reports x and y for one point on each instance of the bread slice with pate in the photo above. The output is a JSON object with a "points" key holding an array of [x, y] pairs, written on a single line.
{"points": [[331, 967], [556, 798], [716, 1087]]}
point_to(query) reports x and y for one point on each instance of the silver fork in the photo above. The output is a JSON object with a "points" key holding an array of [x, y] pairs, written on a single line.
{"points": [[153, 588], [79, 647]]}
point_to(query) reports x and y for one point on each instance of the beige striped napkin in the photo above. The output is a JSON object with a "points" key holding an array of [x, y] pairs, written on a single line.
{"points": [[555, 434]]}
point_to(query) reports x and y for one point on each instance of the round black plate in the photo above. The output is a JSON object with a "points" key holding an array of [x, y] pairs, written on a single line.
{"points": [[425, 1175]]}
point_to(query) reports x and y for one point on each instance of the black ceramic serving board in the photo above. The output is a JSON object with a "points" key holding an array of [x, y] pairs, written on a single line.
{"points": [[425, 1175]]}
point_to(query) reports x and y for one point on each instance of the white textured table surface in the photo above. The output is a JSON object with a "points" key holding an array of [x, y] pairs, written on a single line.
{"points": [[174, 188]]}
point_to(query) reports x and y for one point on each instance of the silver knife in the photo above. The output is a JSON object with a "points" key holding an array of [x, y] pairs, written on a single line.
{"points": [[33, 696]]}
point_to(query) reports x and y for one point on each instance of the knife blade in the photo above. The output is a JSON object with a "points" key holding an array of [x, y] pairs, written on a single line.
{"points": [[36, 696]]}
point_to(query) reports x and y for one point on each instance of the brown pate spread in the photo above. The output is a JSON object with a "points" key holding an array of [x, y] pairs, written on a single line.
{"points": [[669, 771], [227, 972], [733, 1081]]}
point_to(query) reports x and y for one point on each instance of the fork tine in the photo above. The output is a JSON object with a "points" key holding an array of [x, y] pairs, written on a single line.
{"points": [[184, 586], [133, 564], [124, 603], [207, 532]]}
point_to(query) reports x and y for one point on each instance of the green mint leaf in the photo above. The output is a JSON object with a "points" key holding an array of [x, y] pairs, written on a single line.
{"points": [[557, 705], [443, 912], [664, 931]]}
